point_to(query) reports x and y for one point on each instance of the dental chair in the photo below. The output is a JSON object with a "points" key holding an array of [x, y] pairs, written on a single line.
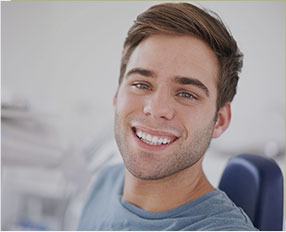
{"points": [[255, 184]]}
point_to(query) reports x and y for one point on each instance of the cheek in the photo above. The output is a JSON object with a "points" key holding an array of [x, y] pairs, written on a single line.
{"points": [[126, 102], [195, 118]]}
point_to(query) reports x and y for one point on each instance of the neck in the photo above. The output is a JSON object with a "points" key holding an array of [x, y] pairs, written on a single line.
{"points": [[167, 193]]}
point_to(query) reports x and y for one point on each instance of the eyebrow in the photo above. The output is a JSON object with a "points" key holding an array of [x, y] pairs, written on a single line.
{"points": [[182, 80], [192, 81], [141, 71]]}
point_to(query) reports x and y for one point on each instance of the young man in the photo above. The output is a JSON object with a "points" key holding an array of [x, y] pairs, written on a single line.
{"points": [[178, 76]]}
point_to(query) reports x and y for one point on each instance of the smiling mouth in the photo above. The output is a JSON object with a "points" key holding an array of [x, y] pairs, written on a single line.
{"points": [[152, 139]]}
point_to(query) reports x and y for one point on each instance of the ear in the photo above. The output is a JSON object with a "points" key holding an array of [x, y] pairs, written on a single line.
{"points": [[223, 120]]}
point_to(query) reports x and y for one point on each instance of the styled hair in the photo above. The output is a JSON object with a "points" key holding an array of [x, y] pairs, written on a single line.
{"points": [[187, 19]]}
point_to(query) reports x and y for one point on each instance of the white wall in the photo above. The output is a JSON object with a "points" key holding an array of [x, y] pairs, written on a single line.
{"points": [[63, 59]]}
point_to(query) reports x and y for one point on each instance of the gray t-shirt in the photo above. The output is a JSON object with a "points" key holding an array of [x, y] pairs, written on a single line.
{"points": [[106, 210]]}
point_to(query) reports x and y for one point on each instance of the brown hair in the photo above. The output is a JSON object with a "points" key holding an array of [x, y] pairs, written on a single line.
{"points": [[187, 19]]}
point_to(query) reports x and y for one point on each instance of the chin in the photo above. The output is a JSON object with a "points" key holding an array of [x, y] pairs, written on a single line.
{"points": [[143, 170]]}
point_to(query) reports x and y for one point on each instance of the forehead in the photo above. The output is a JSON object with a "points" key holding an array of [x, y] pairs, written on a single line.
{"points": [[170, 56]]}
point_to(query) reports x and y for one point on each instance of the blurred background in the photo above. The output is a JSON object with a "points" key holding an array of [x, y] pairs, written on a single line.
{"points": [[60, 68]]}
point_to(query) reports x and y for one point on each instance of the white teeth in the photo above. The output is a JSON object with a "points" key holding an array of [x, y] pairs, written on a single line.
{"points": [[140, 134], [155, 140], [150, 139]]}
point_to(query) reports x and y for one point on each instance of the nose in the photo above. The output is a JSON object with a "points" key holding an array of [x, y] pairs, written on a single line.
{"points": [[159, 105]]}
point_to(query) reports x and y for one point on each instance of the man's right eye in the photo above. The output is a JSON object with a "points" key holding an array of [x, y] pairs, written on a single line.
{"points": [[140, 85]]}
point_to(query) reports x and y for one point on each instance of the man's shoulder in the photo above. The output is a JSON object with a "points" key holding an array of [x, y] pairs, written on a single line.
{"points": [[100, 201], [109, 174], [222, 214]]}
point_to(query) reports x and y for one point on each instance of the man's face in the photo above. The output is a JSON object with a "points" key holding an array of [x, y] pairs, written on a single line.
{"points": [[165, 107]]}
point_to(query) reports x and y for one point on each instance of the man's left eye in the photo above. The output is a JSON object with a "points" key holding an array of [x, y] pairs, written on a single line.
{"points": [[187, 95]]}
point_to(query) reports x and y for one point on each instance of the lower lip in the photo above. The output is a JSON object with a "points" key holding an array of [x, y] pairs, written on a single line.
{"points": [[150, 147]]}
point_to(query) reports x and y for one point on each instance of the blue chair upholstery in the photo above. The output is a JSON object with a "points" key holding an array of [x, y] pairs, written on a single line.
{"points": [[255, 184]]}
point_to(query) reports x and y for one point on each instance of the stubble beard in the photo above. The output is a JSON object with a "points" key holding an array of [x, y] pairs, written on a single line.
{"points": [[185, 156]]}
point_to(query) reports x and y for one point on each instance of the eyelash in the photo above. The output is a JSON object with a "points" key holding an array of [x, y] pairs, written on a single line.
{"points": [[140, 85], [187, 95]]}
